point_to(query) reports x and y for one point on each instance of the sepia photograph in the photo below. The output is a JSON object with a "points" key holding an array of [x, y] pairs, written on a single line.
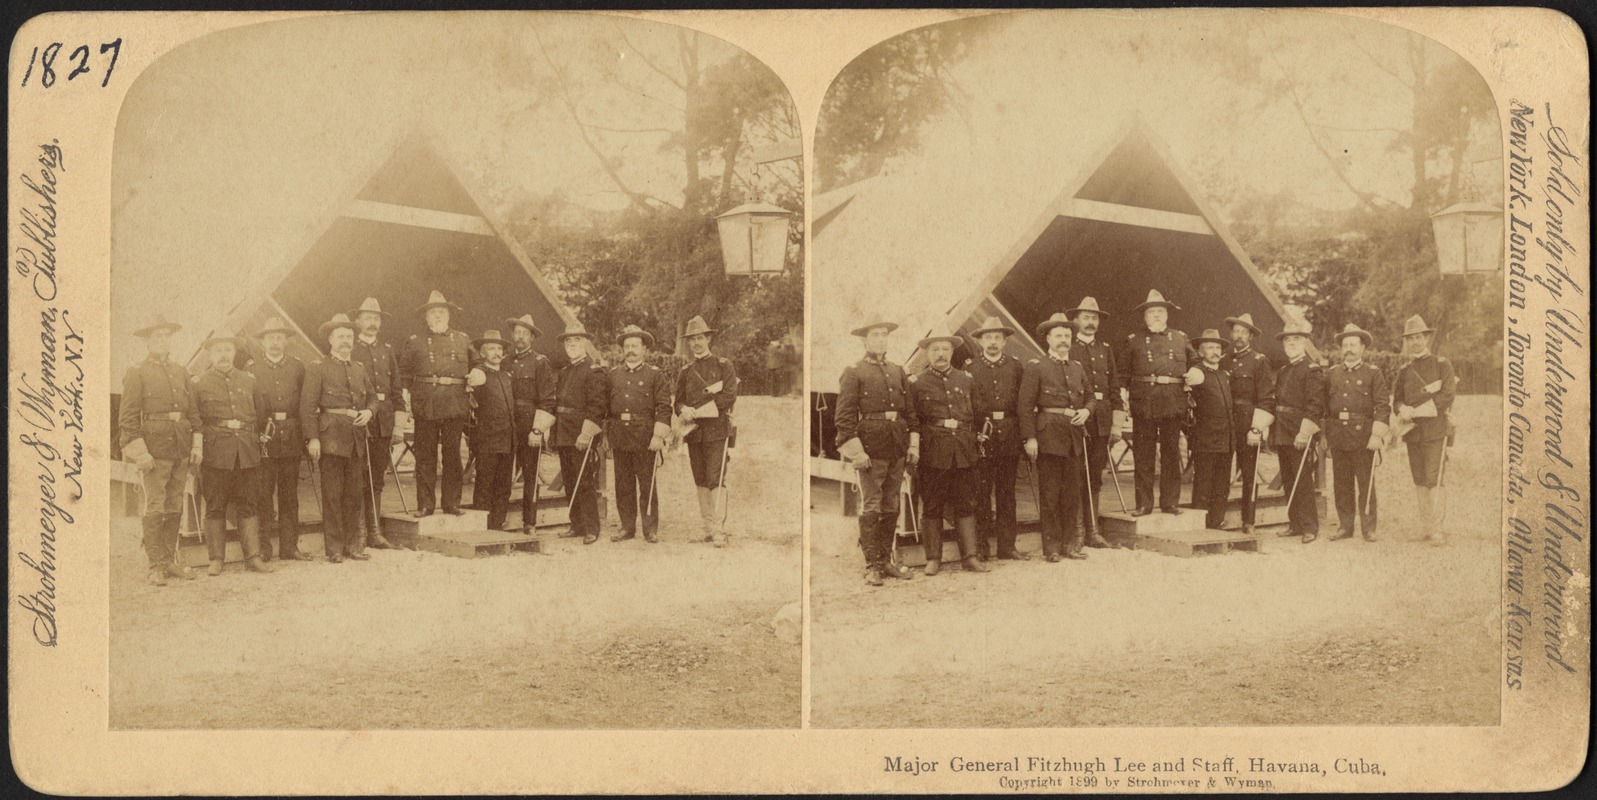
{"points": [[456, 379], [1155, 377]]}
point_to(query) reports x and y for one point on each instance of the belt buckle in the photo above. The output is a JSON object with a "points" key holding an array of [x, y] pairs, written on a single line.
{"points": [[231, 424], [1097, 395], [998, 415], [1343, 415], [889, 415], [281, 415], [626, 417], [381, 396], [951, 423]]}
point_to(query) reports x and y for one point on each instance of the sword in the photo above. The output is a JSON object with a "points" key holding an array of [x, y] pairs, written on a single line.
{"points": [[399, 487], [1441, 470], [1253, 496], [1299, 477], [654, 475], [1086, 479], [371, 487], [572, 490], [1114, 475], [726, 496], [1369, 486], [537, 455]]}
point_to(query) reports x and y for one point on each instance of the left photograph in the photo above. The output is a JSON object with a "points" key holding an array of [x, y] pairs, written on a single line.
{"points": [[456, 373]]}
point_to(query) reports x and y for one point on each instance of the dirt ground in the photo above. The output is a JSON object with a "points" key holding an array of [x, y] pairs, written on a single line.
{"points": [[1329, 633], [630, 635]]}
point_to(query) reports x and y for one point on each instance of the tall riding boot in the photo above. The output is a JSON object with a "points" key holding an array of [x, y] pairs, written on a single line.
{"points": [[931, 537], [1073, 541], [356, 550], [216, 544], [168, 534], [718, 533], [887, 535], [249, 534], [1425, 503], [151, 524], [707, 512], [968, 552], [867, 538]]}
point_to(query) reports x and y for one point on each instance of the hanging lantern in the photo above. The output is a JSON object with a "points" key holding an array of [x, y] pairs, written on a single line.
{"points": [[754, 239], [1469, 238]]}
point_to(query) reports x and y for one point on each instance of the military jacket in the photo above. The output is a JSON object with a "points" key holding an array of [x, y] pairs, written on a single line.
{"points": [[1411, 382], [158, 407], [1213, 422], [1252, 386], [995, 397], [581, 395], [947, 421], [228, 418], [1103, 374], [436, 355], [1355, 399], [873, 404], [495, 431], [639, 398], [332, 388], [1051, 383], [534, 390], [1149, 357], [383, 366], [692, 390], [277, 388], [1299, 395]]}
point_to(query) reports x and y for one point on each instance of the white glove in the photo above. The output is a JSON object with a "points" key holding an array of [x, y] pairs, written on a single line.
{"points": [[1194, 376], [1302, 440], [1375, 442], [1031, 449], [1433, 387], [314, 447], [657, 443], [686, 413], [1255, 438], [476, 377], [1080, 417], [1405, 413], [363, 417]]}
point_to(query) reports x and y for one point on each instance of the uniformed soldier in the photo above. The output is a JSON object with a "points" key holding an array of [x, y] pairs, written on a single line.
{"points": [[639, 422], [582, 403], [159, 432], [1212, 437], [534, 379], [493, 440], [1424, 396], [1252, 405], [776, 368], [279, 377], [945, 466], [337, 404], [1299, 413], [1055, 405], [706, 390], [378, 357], [876, 431], [995, 397], [1103, 373], [1358, 406], [432, 368], [232, 430], [1154, 361]]}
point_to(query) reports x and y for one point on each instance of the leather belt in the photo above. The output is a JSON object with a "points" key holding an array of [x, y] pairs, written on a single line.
{"points": [[880, 415], [441, 381], [1097, 395], [566, 409], [1279, 410], [171, 416], [626, 416], [951, 424], [1352, 416], [230, 424], [344, 412], [382, 396], [1156, 379], [1071, 411], [280, 416], [995, 415]]}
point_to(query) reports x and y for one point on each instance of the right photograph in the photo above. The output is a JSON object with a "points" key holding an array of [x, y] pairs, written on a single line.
{"points": [[1156, 376]]}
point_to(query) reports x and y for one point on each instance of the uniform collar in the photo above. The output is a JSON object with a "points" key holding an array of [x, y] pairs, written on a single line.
{"points": [[1301, 358], [1243, 350], [1422, 355], [1057, 359], [1165, 329], [941, 373], [578, 360], [155, 359], [486, 365], [431, 332], [1086, 339], [879, 359], [1354, 365], [706, 355], [278, 363], [634, 367], [343, 361], [1210, 367], [993, 362], [226, 374], [372, 342]]}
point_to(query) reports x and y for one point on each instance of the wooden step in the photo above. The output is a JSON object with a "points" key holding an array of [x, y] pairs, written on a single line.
{"points": [[476, 544], [1187, 543]]}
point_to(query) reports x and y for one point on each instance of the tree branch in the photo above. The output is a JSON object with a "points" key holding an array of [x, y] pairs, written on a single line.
{"points": [[648, 61]]}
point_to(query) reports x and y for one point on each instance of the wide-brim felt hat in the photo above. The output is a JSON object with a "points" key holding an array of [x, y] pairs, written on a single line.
{"points": [[1210, 335], [1245, 320], [1156, 299], [696, 327], [1353, 330], [338, 321], [952, 340], [1295, 328], [992, 325], [274, 325], [1088, 303], [237, 342], [490, 337], [369, 304], [436, 300], [1055, 321], [575, 331], [864, 329], [156, 324], [1416, 325], [632, 330], [525, 321]]}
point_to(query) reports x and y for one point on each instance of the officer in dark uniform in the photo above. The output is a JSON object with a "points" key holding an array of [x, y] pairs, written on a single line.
{"points": [[1103, 373], [706, 391], [1299, 413], [279, 377], [1211, 438], [534, 379], [995, 395], [1155, 361], [1424, 396], [582, 403], [493, 442], [947, 462], [1056, 404], [337, 404], [158, 426], [876, 431], [1358, 406], [432, 367], [639, 422], [232, 431], [378, 357], [1252, 405]]}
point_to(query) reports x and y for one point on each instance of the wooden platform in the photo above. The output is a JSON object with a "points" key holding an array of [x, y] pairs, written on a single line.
{"points": [[475, 544], [1188, 543]]}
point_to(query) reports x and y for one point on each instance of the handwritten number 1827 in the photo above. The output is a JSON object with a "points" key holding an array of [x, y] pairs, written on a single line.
{"points": [[45, 61]]}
